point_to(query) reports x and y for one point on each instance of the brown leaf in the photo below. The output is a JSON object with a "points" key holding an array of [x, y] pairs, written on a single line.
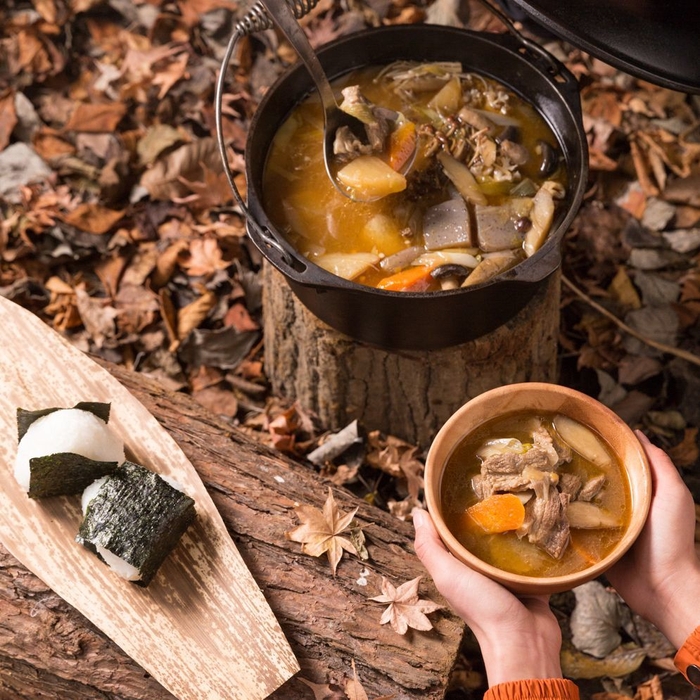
{"points": [[205, 258], [321, 691], [238, 317], [189, 317], [218, 401], [167, 263], [8, 118], [620, 663], [97, 316], [353, 687], [166, 179], [398, 459], [93, 218], [168, 76], [50, 144], [405, 609], [320, 531], [211, 191], [95, 118], [157, 139], [686, 453]]}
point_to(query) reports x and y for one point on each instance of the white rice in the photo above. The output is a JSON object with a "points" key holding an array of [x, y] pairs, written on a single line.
{"points": [[90, 492], [118, 565], [67, 430]]}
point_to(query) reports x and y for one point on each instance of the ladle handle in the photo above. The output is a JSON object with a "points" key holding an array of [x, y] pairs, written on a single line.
{"points": [[283, 16]]}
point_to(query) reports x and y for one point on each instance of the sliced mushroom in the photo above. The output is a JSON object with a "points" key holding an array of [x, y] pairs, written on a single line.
{"points": [[587, 516], [464, 257], [462, 178], [550, 158], [477, 120], [583, 440], [405, 257], [449, 276], [491, 266], [541, 216]]}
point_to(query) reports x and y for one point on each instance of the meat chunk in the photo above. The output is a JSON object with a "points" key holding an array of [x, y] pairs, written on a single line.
{"points": [[348, 145], [557, 453], [571, 484], [591, 488], [545, 520], [512, 471]]}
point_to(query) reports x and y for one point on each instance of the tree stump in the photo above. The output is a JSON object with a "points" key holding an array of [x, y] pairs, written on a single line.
{"points": [[408, 394], [49, 650]]}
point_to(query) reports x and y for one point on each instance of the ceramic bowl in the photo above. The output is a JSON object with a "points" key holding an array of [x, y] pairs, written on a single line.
{"points": [[550, 398]]}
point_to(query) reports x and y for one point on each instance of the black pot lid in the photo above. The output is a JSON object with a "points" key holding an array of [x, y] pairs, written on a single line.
{"points": [[658, 40]]}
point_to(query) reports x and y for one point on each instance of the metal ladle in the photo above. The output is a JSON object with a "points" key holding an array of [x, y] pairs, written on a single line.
{"points": [[333, 116]]}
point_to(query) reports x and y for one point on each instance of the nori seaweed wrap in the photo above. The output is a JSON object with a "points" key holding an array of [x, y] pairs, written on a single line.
{"points": [[134, 521]]}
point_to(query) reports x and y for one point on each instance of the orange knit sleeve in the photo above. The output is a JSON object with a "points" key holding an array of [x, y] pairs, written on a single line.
{"points": [[687, 660], [536, 689]]}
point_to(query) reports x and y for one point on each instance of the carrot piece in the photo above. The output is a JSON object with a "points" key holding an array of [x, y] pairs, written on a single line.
{"points": [[402, 143], [500, 512], [412, 279]]}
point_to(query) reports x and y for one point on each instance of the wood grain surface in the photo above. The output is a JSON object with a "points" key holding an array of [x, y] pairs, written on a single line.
{"points": [[202, 628]]}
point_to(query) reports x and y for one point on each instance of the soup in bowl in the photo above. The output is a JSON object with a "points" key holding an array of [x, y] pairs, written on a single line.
{"points": [[538, 486]]}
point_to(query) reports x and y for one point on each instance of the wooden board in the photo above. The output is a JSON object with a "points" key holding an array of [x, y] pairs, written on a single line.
{"points": [[202, 628]]}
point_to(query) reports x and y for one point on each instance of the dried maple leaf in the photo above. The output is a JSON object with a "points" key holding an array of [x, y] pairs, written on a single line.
{"points": [[405, 609], [320, 531], [205, 258]]}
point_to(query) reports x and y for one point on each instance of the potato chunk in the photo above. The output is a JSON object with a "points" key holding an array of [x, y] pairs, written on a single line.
{"points": [[371, 177]]}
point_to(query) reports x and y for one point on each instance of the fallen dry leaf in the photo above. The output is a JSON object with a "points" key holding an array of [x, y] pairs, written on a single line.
{"points": [[205, 258], [622, 662], [320, 531], [95, 117], [189, 317], [596, 620], [405, 609], [353, 687], [8, 117], [93, 218]]}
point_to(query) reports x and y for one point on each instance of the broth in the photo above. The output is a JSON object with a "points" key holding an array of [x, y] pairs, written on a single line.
{"points": [[447, 228], [506, 550]]}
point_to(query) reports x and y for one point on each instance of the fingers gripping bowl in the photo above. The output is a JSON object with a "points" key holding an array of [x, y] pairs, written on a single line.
{"points": [[537, 486]]}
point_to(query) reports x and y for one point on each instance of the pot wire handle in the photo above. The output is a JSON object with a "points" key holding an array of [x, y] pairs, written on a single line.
{"points": [[552, 64], [255, 20]]}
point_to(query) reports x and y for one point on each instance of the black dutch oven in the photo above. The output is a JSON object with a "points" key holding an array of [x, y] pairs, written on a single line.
{"points": [[428, 320]]}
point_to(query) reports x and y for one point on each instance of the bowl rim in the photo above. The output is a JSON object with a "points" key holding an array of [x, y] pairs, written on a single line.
{"points": [[520, 582]]}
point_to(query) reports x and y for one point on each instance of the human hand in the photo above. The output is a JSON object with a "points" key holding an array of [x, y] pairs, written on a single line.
{"points": [[519, 638], [659, 577]]}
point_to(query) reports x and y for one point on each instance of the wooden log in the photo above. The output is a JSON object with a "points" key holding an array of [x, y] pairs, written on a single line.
{"points": [[49, 650], [409, 394]]}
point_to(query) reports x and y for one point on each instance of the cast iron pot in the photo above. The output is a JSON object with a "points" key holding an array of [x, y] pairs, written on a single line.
{"points": [[427, 320]]}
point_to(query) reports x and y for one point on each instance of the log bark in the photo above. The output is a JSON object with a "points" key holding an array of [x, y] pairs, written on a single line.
{"points": [[409, 394], [49, 650]]}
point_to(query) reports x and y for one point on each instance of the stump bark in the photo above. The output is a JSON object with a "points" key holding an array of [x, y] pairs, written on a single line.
{"points": [[49, 650], [408, 394]]}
